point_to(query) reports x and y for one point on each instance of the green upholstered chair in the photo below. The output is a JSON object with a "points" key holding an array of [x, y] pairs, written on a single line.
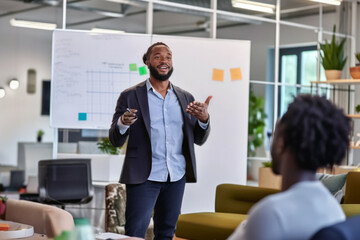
{"points": [[232, 203], [352, 191]]}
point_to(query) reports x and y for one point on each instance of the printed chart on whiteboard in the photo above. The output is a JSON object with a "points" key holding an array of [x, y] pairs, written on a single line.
{"points": [[89, 75]]}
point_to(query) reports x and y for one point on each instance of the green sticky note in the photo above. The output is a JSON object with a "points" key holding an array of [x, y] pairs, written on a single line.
{"points": [[82, 116], [142, 70], [133, 67]]}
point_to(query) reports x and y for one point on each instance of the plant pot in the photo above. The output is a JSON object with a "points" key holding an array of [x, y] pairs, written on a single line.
{"points": [[333, 74], [2, 210], [268, 179], [355, 72], [39, 139]]}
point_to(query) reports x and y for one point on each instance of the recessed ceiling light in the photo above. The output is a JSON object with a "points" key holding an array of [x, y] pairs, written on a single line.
{"points": [[30, 24], [253, 6], [332, 2], [103, 30], [2, 92], [14, 84]]}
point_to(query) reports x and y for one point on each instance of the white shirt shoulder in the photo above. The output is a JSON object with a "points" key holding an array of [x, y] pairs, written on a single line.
{"points": [[296, 213]]}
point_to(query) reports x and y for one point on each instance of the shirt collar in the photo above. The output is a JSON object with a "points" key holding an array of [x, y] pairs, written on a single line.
{"points": [[149, 86]]}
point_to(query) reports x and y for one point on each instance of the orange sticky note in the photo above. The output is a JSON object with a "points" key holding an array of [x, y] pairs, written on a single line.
{"points": [[218, 74], [235, 74]]}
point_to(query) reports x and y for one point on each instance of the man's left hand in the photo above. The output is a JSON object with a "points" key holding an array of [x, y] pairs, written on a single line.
{"points": [[199, 109]]}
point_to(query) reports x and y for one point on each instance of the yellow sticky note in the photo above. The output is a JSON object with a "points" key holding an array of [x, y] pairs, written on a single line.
{"points": [[218, 74], [235, 74]]}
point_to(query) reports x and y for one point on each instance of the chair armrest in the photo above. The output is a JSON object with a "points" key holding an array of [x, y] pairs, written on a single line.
{"points": [[233, 198], [352, 194], [45, 219], [351, 209]]}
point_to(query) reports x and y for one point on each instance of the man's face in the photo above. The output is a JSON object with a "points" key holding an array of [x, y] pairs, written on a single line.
{"points": [[276, 149], [160, 63]]}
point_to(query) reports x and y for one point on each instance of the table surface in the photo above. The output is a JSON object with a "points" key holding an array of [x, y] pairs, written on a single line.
{"points": [[36, 236]]}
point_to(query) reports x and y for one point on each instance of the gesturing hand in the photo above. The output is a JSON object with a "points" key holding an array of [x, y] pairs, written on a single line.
{"points": [[129, 117], [199, 109]]}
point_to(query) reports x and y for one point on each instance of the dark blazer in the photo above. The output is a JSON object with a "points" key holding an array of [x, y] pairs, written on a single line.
{"points": [[137, 164]]}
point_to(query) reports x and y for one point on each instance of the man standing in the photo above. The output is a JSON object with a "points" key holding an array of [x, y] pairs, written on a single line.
{"points": [[162, 123]]}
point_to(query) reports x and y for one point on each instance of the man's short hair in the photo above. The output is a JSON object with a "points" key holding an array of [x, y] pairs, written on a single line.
{"points": [[316, 131], [148, 52]]}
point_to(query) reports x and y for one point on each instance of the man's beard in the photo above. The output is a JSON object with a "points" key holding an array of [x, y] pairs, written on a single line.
{"points": [[157, 75]]}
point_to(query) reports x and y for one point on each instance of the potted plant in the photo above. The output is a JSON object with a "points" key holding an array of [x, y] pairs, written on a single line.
{"points": [[332, 57], [2, 206], [256, 123], [357, 108], [355, 71], [106, 147], [267, 178], [40, 133]]}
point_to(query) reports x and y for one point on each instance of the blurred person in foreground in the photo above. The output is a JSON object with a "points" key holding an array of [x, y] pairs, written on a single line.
{"points": [[313, 133]]}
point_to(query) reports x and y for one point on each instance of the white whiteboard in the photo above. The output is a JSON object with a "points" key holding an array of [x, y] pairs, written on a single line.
{"points": [[88, 73], [222, 159]]}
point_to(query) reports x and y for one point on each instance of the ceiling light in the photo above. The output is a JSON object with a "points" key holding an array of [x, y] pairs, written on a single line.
{"points": [[103, 30], [14, 83], [332, 2], [2, 92], [253, 6], [30, 24]]}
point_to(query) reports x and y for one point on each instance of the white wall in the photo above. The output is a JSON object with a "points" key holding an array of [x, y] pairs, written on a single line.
{"points": [[20, 50]]}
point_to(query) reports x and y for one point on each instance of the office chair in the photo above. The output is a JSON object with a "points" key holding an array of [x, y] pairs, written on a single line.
{"points": [[16, 180], [65, 181], [346, 230]]}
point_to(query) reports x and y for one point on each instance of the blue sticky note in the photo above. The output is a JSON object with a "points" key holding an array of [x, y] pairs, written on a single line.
{"points": [[82, 116]]}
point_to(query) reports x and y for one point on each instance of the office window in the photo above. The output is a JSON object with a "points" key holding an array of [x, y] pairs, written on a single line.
{"points": [[297, 69]]}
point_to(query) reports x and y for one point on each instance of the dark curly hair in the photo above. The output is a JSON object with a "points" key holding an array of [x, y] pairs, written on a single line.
{"points": [[148, 52], [316, 131]]}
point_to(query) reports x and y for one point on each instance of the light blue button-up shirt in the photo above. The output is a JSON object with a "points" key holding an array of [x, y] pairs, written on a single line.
{"points": [[166, 122]]}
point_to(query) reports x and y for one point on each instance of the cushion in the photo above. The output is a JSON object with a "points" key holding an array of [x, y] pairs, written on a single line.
{"points": [[332, 182], [351, 209], [208, 225], [339, 196]]}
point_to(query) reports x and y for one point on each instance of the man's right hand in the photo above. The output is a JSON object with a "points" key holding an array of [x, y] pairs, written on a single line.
{"points": [[129, 118]]}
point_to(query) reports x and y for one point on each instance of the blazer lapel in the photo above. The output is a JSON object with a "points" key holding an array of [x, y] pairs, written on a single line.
{"points": [[141, 94], [182, 100]]}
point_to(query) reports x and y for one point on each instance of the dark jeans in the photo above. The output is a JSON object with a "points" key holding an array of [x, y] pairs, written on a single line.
{"points": [[164, 198]]}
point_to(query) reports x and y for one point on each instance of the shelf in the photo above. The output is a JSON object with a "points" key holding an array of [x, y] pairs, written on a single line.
{"points": [[354, 147], [338, 81], [353, 115]]}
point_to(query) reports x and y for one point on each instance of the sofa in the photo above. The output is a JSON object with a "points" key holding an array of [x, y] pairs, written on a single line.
{"points": [[233, 202]]}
